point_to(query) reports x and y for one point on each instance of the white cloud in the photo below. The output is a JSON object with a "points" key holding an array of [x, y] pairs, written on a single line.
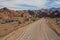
{"points": [[56, 4], [12, 3]]}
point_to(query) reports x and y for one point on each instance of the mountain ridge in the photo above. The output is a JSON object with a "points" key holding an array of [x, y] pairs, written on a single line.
{"points": [[6, 13]]}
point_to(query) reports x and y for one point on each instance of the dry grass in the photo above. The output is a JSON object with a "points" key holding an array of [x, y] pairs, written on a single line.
{"points": [[55, 24], [6, 28]]}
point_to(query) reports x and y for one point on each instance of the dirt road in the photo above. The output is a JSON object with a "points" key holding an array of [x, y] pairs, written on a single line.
{"points": [[38, 30]]}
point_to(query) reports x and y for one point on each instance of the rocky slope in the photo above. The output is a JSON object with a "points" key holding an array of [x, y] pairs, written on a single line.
{"points": [[6, 13]]}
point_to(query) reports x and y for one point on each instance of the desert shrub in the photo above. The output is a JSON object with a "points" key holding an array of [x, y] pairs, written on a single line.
{"points": [[8, 21], [19, 22], [26, 19], [58, 21], [5, 29], [33, 19], [0, 17], [2, 21], [21, 15]]}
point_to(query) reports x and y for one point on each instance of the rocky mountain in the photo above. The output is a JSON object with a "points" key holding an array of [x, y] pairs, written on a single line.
{"points": [[6, 13]]}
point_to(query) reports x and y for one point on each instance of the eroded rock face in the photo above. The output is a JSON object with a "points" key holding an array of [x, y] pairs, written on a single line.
{"points": [[6, 13]]}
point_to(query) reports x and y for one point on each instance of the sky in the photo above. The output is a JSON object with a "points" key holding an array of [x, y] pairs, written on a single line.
{"points": [[29, 4]]}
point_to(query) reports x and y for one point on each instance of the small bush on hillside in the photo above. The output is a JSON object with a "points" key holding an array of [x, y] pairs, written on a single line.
{"points": [[33, 19], [21, 15], [58, 21]]}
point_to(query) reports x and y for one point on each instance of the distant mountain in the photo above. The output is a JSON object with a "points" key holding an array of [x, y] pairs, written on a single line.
{"points": [[6, 13], [54, 8]]}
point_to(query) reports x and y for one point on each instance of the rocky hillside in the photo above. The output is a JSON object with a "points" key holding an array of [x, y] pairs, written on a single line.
{"points": [[6, 13]]}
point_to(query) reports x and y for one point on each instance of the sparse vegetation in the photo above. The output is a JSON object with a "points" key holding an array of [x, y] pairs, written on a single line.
{"points": [[54, 24], [9, 25]]}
